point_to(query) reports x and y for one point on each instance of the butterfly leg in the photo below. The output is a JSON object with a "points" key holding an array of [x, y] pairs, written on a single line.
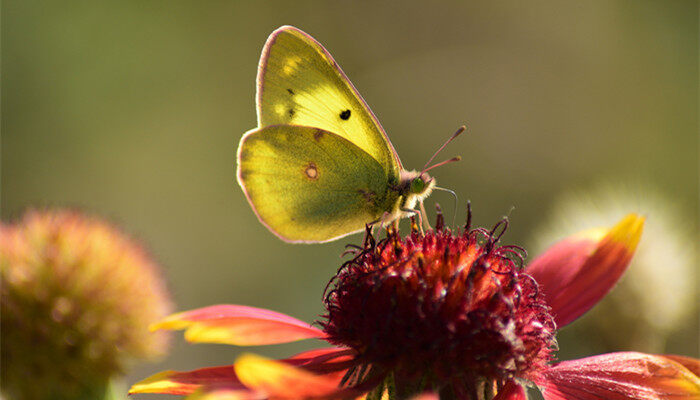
{"points": [[424, 214], [382, 222], [420, 218]]}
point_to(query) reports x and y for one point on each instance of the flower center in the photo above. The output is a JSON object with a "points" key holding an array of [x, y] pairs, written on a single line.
{"points": [[449, 310]]}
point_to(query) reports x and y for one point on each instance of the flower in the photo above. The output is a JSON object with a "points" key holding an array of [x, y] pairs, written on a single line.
{"points": [[77, 297], [438, 315], [630, 318]]}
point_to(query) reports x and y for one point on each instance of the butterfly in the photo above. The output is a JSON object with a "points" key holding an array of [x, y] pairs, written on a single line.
{"points": [[319, 166]]}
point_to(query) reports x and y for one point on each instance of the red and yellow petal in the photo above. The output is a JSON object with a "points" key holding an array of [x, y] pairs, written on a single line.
{"points": [[281, 380], [511, 391], [223, 393], [692, 364], [184, 383], [238, 325], [332, 363], [577, 272], [620, 376], [333, 360]]}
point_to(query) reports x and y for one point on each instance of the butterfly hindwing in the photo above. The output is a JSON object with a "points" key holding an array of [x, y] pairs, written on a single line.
{"points": [[299, 83], [310, 185]]}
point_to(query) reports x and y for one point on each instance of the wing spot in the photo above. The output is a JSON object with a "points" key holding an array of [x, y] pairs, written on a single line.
{"points": [[369, 195], [290, 91], [290, 65], [345, 115], [311, 171], [280, 109], [291, 113]]}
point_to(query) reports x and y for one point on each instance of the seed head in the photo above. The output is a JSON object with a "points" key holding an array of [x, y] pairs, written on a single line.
{"points": [[77, 297]]}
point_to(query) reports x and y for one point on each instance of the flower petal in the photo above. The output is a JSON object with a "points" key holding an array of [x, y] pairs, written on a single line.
{"points": [[577, 272], [222, 393], [238, 325], [278, 379], [692, 364], [324, 361], [619, 376], [184, 383], [511, 391], [333, 362]]}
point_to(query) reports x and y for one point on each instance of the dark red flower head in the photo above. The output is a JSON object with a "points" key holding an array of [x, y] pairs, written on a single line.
{"points": [[452, 311]]}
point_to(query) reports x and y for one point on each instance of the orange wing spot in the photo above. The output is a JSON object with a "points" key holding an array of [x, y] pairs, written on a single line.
{"points": [[311, 171]]}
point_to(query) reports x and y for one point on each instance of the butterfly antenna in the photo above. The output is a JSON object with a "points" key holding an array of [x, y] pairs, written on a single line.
{"points": [[451, 160], [454, 135], [454, 216]]}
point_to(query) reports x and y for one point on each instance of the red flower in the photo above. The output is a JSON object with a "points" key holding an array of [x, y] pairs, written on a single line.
{"points": [[439, 315]]}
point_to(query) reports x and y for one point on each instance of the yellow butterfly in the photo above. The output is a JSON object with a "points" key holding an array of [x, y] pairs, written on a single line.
{"points": [[319, 166]]}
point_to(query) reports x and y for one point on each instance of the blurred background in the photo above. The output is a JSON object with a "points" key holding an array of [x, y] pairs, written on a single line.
{"points": [[133, 110]]}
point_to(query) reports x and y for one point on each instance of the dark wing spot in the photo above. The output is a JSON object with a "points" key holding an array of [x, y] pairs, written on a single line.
{"points": [[345, 115], [318, 134], [368, 195], [311, 171], [290, 91], [291, 113]]}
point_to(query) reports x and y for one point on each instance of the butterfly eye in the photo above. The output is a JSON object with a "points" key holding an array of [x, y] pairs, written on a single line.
{"points": [[417, 185]]}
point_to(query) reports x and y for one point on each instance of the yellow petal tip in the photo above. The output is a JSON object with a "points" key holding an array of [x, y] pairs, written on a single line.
{"points": [[154, 384], [628, 231], [172, 322]]}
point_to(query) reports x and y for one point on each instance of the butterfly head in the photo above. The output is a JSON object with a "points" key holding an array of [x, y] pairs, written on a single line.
{"points": [[416, 186], [421, 185]]}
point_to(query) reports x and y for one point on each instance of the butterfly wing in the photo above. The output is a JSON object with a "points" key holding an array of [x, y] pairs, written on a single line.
{"points": [[299, 83], [309, 185]]}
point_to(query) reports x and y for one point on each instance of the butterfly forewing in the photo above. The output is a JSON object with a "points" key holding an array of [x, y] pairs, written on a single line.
{"points": [[299, 83], [310, 185]]}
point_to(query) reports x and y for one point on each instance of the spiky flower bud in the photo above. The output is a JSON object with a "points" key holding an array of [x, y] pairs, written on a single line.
{"points": [[77, 297]]}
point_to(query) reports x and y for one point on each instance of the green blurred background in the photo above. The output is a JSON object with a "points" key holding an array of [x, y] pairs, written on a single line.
{"points": [[134, 109]]}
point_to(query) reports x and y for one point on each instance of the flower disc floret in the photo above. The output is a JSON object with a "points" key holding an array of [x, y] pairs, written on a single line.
{"points": [[441, 306]]}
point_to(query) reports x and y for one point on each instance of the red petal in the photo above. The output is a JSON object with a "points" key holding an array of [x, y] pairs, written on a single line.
{"points": [[184, 383], [325, 361], [329, 352], [619, 376], [278, 379], [222, 393], [332, 362], [577, 272], [511, 391], [238, 325], [692, 364]]}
